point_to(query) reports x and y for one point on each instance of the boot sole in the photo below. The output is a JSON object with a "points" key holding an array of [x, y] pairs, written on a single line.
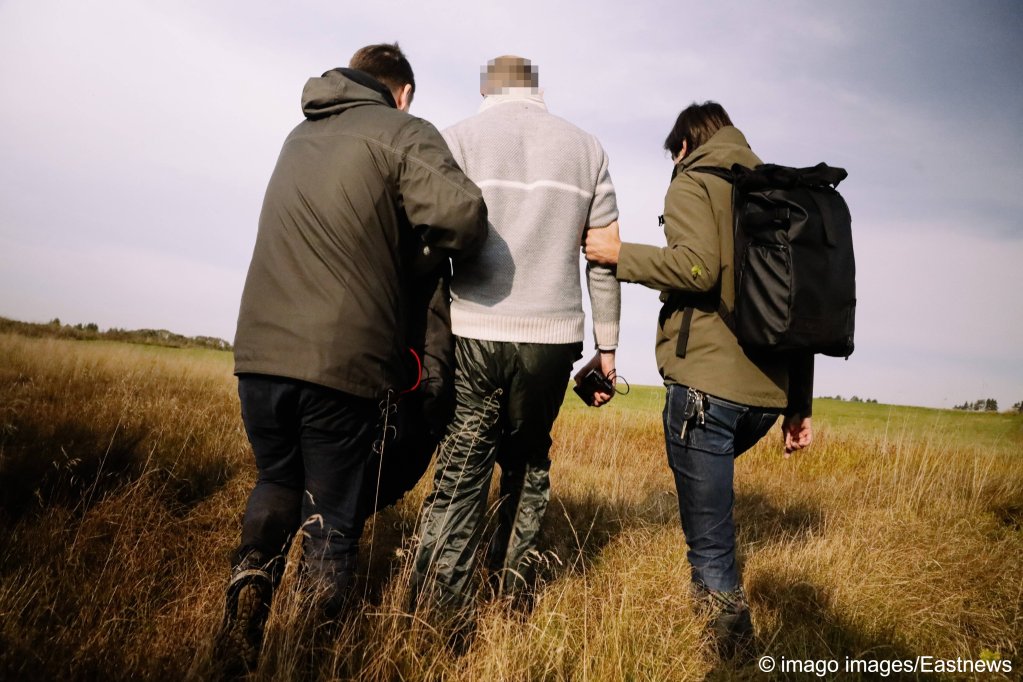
{"points": [[245, 612]]}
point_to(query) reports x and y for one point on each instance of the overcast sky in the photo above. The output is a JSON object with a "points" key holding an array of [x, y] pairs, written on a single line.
{"points": [[136, 140]]}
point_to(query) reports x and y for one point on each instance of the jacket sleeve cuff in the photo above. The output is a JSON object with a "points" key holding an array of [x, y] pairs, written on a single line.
{"points": [[800, 386], [606, 335]]}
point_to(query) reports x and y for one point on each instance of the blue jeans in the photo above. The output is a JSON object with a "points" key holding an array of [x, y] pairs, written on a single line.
{"points": [[716, 431]]}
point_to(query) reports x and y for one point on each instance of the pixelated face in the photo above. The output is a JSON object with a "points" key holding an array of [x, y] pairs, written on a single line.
{"points": [[508, 72]]}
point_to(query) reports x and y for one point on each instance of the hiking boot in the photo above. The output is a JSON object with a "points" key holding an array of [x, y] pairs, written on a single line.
{"points": [[730, 626], [246, 609]]}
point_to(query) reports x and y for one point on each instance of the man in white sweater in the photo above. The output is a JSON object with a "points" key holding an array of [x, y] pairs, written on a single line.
{"points": [[517, 316]]}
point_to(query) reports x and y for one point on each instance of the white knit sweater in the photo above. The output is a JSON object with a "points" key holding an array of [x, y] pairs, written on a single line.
{"points": [[544, 180]]}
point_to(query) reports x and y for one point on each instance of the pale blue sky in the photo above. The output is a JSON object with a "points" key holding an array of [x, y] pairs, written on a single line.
{"points": [[136, 140]]}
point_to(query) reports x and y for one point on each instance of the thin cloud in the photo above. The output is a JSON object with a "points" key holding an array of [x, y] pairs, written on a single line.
{"points": [[138, 139]]}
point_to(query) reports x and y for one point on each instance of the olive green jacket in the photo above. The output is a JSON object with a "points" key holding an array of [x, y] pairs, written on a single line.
{"points": [[696, 270], [358, 184]]}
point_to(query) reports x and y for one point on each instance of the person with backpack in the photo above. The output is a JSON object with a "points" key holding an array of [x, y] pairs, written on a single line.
{"points": [[721, 399]]}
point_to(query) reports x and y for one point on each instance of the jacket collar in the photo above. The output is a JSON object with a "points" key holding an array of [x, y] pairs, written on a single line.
{"points": [[363, 78], [532, 96], [726, 136]]}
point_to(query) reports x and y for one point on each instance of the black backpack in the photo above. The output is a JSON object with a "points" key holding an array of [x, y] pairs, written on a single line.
{"points": [[795, 275]]}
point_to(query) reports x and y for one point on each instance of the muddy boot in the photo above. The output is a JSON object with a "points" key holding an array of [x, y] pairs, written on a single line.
{"points": [[730, 626], [246, 609]]}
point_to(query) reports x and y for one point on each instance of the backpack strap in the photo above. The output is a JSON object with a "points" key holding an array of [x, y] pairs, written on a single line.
{"points": [[683, 332], [687, 322], [727, 315]]}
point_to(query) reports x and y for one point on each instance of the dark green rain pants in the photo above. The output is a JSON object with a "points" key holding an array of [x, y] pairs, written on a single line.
{"points": [[507, 398]]}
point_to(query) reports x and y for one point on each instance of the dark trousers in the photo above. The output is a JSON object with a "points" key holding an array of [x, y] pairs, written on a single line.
{"points": [[311, 445], [703, 463], [507, 398]]}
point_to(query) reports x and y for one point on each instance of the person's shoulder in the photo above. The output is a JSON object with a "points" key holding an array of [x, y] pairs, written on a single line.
{"points": [[569, 127], [464, 126], [571, 135], [412, 123], [729, 146], [400, 128], [399, 120], [370, 121]]}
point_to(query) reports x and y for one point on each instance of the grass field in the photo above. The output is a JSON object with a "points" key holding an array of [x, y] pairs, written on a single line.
{"points": [[124, 470]]}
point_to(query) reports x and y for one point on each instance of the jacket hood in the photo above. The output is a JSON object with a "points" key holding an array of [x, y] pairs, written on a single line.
{"points": [[342, 89], [719, 150]]}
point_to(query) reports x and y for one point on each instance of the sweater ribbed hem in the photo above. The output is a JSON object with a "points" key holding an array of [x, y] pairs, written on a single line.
{"points": [[474, 325]]}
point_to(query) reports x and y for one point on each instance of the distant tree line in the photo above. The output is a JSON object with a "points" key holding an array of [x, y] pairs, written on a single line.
{"points": [[854, 399], [90, 331], [983, 405]]}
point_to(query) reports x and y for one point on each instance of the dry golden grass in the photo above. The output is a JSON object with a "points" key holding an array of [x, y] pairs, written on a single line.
{"points": [[124, 471]]}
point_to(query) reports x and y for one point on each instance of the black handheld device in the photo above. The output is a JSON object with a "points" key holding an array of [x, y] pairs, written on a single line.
{"points": [[592, 382]]}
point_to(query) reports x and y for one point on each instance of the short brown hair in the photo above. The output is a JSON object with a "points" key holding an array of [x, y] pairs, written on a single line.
{"points": [[695, 125], [387, 63], [508, 71]]}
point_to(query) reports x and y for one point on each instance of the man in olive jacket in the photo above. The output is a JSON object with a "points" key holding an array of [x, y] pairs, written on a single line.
{"points": [[720, 401], [323, 335]]}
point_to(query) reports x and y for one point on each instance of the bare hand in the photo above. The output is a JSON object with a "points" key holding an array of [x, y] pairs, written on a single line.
{"points": [[797, 432], [605, 363], [602, 244]]}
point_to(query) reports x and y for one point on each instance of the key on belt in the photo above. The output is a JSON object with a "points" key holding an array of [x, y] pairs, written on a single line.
{"points": [[693, 408]]}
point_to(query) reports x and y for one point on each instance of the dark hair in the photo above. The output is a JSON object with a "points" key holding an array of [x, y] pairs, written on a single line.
{"points": [[387, 63], [695, 125]]}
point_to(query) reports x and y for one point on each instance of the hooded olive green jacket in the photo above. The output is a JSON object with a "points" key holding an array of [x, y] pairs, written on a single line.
{"points": [[696, 270], [325, 298]]}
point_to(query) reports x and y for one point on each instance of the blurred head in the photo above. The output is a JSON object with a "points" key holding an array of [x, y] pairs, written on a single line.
{"points": [[506, 72], [695, 125], [388, 64]]}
